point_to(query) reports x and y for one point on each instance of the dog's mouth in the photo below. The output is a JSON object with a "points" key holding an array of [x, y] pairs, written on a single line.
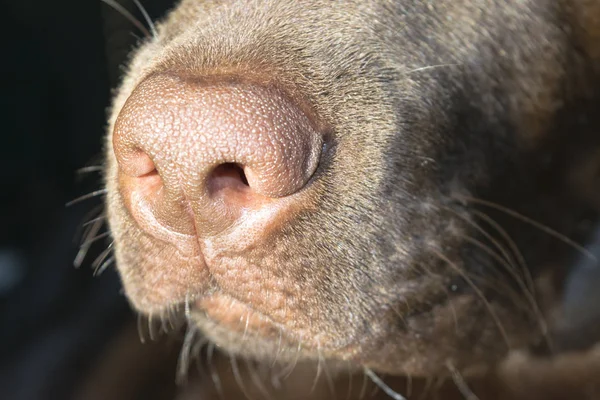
{"points": [[238, 327], [234, 315]]}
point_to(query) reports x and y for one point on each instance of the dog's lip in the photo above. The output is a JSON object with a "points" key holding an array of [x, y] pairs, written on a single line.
{"points": [[239, 317], [234, 314]]}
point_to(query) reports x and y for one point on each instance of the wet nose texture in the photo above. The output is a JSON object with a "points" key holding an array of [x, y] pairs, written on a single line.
{"points": [[195, 156]]}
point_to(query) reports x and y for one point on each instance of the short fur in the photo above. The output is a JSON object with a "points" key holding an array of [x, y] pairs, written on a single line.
{"points": [[438, 112]]}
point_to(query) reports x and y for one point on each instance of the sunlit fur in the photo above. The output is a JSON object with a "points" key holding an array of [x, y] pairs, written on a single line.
{"points": [[433, 245]]}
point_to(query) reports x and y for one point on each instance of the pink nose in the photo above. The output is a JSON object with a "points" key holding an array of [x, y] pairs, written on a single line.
{"points": [[198, 155]]}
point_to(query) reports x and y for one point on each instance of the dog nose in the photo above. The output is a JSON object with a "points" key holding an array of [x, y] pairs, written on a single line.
{"points": [[200, 155]]}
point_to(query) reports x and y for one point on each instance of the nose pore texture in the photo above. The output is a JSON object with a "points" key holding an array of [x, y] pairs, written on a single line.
{"points": [[186, 129]]}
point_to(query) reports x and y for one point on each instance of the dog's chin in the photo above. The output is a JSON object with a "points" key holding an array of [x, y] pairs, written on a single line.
{"points": [[236, 328], [236, 317]]}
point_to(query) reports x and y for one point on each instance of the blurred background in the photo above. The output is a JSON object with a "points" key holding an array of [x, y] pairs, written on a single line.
{"points": [[59, 63]]}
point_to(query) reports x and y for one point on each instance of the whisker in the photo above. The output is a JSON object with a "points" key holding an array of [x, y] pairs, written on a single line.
{"points": [[528, 295], [91, 231], [363, 389], [136, 37], [541, 320], [96, 238], [507, 262], [176, 319], [278, 348], [295, 363], [380, 384], [85, 197], [104, 266], [140, 328], [430, 67], [237, 376], [478, 292], [328, 377], [214, 374], [187, 307], [318, 373], [444, 288], [513, 246], [287, 371], [275, 382], [151, 328], [534, 223], [146, 17], [350, 376], [398, 313], [90, 217], [91, 168], [123, 11], [91, 221], [165, 320], [183, 362], [427, 388], [100, 259], [244, 335], [173, 317], [438, 384], [196, 351], [489, 251], [460, 383], [257, 380]]}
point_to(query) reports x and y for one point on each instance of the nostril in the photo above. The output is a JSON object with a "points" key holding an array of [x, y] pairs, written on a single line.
{"points": [[227, 176], [143, 164], [136, 163], [198, 155], [138, 170]]}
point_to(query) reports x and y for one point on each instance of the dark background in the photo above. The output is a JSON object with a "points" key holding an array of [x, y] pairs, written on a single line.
{"points": [[59, 61]]}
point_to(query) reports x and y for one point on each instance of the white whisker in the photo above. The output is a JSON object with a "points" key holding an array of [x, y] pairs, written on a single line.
{"points": [[103, 256], [214, 375], [146, 17], [92, 168], [428, 67], [90, 232], [479, 293], [124, 12], [256, 379], [238, 376], [533, 223], [381, 384], [183, 363], [140, 328], [88, 196], [91, 221], [98, 271], [460, 382]]}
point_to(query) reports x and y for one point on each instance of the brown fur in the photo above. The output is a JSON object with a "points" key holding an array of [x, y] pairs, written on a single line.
{"points": [[389, 263]]}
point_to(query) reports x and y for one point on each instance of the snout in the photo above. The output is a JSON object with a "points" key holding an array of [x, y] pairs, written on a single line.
{"points": [[207, 168]]}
